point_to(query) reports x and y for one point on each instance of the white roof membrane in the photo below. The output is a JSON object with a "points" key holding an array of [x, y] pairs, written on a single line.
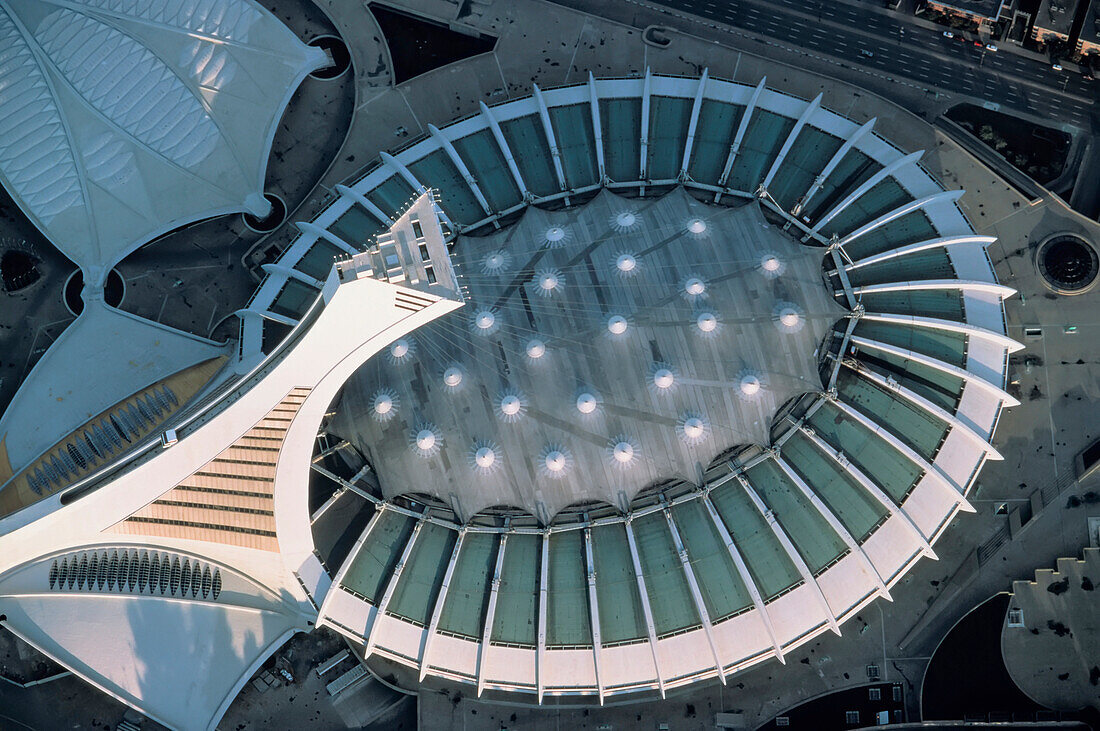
{"points": [[109, 109]]}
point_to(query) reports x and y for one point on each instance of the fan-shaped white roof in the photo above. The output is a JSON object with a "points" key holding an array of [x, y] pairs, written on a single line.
{"points": [[128, 353], [109, 108]]}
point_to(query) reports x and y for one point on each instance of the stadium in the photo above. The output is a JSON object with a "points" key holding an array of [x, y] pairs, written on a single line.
{"points": [[608, 388]]}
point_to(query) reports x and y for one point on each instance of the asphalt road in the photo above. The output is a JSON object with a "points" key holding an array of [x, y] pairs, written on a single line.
{"points": [[906, 51]]}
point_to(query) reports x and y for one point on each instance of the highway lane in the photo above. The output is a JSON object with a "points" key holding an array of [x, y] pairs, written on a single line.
{"points": [[912, 53]]}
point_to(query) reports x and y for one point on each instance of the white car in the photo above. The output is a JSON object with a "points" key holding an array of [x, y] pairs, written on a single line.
{"points": [[948, 34], [990, 47], [1056, 66]]}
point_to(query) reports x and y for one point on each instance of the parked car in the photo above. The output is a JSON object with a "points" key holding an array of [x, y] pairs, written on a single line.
{"points": [[948, 34]]}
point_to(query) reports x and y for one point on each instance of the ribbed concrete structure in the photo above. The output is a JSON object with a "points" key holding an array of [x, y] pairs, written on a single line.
{"points": [[695, 575]]}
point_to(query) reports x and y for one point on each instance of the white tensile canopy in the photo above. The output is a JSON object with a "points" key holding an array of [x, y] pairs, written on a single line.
{"points": [[110, 109]]}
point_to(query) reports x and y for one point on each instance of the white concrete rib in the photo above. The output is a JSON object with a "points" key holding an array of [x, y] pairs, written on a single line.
{"points": [[593, 609], [862, 189], [938, 365], [693, 124], [544, 586], [505, 150], [267, 315], [936, 243], [918, 285], [310, 228], [949, 196], [391, 586], [647, 612], [963, 328], [746, 577], [789, 142], [352, 555], [460, 165], [356, 196], [839, 528], [938, 476], [440, 600], [872, 489], [490, 615], [279, 269], [739, 136], [647, 85], [835, 160], [597, 127], [696, 593], [792, 553], [551, 139], [921, 402]]}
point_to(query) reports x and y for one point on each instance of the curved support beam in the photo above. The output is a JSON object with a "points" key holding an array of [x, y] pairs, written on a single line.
{"points": [[398, 167], [693, 124], [597, 128], [871, 182], [920, 246], [943, 196], [647, 85], [739, 136], [696, 594], [365, 202], [593, 608], [823, 510], [279, 269], [895, 510], [460, 165], [834, 161], [792, 553], [352, 555], [646, 610], [931, 470], [746, 577], [964, 285], [963, 328], [440, 600], [789, 142], [505, 150], [921, 402], [551, 139], [490, 614], [936, 364], [267, 315], [544, 585], [308, 227], [391, 585]]}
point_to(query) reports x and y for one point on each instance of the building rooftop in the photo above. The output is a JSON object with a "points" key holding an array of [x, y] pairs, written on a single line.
{"points": [[705, 563], [990, 9], [703, 360], [86, 152]]}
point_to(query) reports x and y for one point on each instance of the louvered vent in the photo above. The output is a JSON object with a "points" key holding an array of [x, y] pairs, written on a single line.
{"points": [[135, 571]]}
